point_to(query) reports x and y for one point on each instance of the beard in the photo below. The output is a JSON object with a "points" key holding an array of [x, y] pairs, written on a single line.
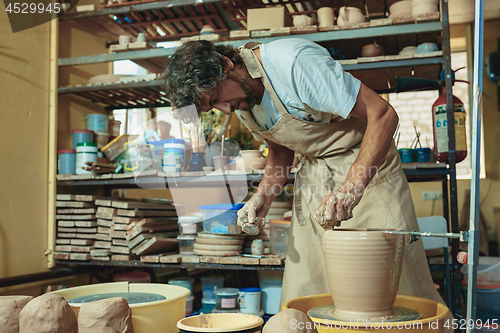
{"points": [[249, 99]]}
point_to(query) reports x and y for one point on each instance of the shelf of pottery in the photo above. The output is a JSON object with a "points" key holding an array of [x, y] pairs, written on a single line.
{"points": [[377, 43]]}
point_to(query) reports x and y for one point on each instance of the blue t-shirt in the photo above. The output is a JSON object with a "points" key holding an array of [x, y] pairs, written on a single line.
{"points": [[305, 77]]}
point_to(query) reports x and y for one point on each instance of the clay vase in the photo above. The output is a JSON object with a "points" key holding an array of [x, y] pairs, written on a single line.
{"points": [[363, 268], [325, 16]]}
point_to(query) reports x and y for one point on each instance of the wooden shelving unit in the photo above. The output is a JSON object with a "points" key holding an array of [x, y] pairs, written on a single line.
{"points": [[178, 18]]}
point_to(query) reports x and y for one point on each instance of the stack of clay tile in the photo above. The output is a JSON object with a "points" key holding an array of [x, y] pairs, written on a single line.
{"points": [[127, 229], [76, 226]]}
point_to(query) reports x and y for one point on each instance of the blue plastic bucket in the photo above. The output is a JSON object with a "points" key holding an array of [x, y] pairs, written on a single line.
{"points": [[97, 122], [81, 135], [66, 161]]}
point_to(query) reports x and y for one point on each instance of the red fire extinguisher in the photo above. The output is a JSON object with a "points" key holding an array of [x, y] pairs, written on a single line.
{"points": [[440, 127]]}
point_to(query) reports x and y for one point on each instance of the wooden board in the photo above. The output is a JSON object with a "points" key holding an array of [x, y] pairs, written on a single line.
{"points": [[137, 230], [86, 224], [76, 211], [156, 245], [151, 258], [120, 249], [123, 257], [167, 258], [82, 242], [145, 213], [142, 205], [105, 223], [74, 204], [102, 245]]}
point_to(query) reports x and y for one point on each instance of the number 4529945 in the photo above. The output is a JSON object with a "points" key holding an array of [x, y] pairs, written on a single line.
{"points": [[31, 8], [464, 324]]}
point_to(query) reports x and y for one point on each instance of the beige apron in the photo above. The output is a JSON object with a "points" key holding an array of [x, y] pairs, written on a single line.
{"points": [[329, 150]]}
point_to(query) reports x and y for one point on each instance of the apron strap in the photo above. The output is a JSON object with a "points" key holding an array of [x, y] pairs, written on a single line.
{"points": [[255, 67]]}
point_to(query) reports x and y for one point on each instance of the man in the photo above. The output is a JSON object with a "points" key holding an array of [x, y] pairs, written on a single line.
{"points": [[292, 94]]}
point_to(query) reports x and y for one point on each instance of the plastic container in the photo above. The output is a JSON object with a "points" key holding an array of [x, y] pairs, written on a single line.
{"points": [[249, 300], [97, 122], [189, 305], [226, 298], [173, 153], [207, 306], [278, 238], [423, 155], [66, 161], [488, 272], [157, 149], [209, 284], [101, 139], [221, 218], [114, 127], [220, 162], [186, 282], [152, 317], [271, 283], [190, 225], [81, 135], [137, 164], [186, 244], [407, 155], [85, 152]]}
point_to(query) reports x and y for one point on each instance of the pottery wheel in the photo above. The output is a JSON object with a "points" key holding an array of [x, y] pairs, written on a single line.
{"points": [[131, 298], [328, 312]]}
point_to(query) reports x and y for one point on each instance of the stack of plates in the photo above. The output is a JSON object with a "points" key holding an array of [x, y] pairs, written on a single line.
{"points": [[218, 245], [277, 210]]}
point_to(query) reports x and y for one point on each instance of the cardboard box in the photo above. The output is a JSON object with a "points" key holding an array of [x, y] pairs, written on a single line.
{"points": [[267, 18]]}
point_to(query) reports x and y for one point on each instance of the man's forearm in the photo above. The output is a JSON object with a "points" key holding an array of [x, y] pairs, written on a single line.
{"points": [[279, 162], [374, 147]]}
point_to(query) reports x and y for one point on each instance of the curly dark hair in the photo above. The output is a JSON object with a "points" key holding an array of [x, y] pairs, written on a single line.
{"points": [[195, 69]]}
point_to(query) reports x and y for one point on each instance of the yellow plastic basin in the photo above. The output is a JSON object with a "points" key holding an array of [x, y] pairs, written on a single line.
{"points": [[432, 320], [221, 322], [153, 317]]}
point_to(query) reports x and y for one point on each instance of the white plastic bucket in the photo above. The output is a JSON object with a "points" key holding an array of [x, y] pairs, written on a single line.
{"points": [[173, 153], [271, 284]]}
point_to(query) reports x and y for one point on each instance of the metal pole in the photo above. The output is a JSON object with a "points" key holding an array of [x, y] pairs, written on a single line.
{"points": [[473, 248]]}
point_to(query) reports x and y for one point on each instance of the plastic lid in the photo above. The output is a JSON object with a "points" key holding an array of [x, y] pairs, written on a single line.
{"points": [[208, 301], [189, 219], [185, 237], [175, 141], [227, 292], [223, 206], [86, 144], [281, 222], [249, 290], [66, 151], [82, 131], [160, 142]]}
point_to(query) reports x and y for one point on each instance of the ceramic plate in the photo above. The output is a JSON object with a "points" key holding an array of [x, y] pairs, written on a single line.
{"points": [[216, 253], [217, 247], [220, 236], [328, 312], [215, 241]]}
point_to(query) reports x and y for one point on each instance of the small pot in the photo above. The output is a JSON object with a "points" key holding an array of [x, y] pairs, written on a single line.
{"points": [[372, 50]]}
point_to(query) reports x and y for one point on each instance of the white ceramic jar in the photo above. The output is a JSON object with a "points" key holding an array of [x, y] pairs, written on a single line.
{"points": [[85, 152]]}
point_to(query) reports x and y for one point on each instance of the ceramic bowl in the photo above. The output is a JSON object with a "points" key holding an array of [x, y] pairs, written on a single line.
{"points": [[400, 6], [372, 50], [426, 47], [251, 163], [251, 153], [422, 9], [408, 50]]}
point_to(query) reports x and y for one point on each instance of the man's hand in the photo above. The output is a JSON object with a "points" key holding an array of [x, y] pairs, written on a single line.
{"points": [[250, 217], [338, 205]]}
